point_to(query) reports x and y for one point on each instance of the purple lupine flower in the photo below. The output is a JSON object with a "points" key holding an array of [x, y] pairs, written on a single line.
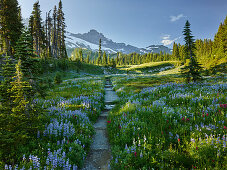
{"points": [[74, 167], [141, 154], [38, 134]]}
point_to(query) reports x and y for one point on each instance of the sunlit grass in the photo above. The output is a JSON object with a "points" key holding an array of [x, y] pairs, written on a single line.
{"points": [[148, 65], [175, 71]]}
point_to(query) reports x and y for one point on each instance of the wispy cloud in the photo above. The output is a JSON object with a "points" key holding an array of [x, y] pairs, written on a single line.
{"points": [[166, 40], [175, 18]]}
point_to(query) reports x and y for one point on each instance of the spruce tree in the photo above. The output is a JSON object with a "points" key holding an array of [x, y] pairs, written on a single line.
{"points": [[61, 32], [88, 59], [99, 60], [19, 116], [176, 54], [7, 71], [108, 60], [37, 29], [24, 52], [49, 27], [104, 59], [192, 68], [10, 24], [220, 41], [54, 34]]}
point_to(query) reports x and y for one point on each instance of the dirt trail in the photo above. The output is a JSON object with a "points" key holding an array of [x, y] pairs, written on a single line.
{"points": [[100, 153]]}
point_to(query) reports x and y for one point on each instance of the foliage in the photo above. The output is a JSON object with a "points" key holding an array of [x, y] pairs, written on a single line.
{"points": [[11, 25], [192, 68], [24, 52], [66, 132], [20, 116], [57, 78]]}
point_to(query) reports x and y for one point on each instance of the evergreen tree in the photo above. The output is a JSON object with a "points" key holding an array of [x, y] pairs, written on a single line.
{"points": [[37, 29], [49, 28], [176, 54], [88, 59], [54, 34], [192, 68], [21, 118], [113, 63], [24, 52], [117, 59], [10, 24], [81, 58], [220, 41], [104, 59], [108, 60], [7, 71], [99, 60], [61, 32]]}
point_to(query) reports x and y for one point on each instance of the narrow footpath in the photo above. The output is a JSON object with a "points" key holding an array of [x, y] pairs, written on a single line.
{"points": [[100, 153]]}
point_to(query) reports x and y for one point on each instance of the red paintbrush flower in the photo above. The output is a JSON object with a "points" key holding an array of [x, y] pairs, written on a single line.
{"points": [[178, 139], [135, 154], [108, 121]]}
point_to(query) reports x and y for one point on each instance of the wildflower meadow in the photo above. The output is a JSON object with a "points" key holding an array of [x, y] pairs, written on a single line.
{"points": [[171, 125]]}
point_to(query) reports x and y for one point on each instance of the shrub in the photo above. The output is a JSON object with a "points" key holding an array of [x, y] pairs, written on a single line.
{"points": [[57, 78]]}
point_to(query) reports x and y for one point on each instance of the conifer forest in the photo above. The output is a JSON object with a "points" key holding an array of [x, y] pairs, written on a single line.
{"points": [[75, 106]]}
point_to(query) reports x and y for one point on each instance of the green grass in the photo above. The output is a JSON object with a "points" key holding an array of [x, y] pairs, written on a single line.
{"points": [[136, 84], [149, 65], [174, 71]]}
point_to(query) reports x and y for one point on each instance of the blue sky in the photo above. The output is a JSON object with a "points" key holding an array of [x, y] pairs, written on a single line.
{"points": [[139, 22]]}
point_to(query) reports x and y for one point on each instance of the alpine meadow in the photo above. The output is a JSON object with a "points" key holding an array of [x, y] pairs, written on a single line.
{"points": [[82, 101]]}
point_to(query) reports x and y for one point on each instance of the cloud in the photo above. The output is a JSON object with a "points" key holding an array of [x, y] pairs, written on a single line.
{"points": [[167, 41], [175, 18]]}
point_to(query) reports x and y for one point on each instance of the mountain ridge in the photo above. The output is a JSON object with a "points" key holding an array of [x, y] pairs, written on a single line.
{"points": [[90, 40]]}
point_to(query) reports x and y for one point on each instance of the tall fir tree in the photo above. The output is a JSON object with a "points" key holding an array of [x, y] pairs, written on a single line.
{"points": [[104, 59], [99, 59], [61, 32], [220, 41], [54, 34], [10, 24], [24, 52], [37, 30], [192, 68], [176, 54], [49, 28], [88, 59], [8, 70]]}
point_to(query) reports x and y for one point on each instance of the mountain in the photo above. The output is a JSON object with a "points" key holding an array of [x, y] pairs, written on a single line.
{"points": [[90, 41], [157, 49]]}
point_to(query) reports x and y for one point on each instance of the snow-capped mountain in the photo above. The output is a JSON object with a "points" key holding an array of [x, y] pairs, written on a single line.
{"points": [[90, 41]]}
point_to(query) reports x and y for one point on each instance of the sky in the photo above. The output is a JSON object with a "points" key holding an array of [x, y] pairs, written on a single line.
{"points": [[139, 22]]}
